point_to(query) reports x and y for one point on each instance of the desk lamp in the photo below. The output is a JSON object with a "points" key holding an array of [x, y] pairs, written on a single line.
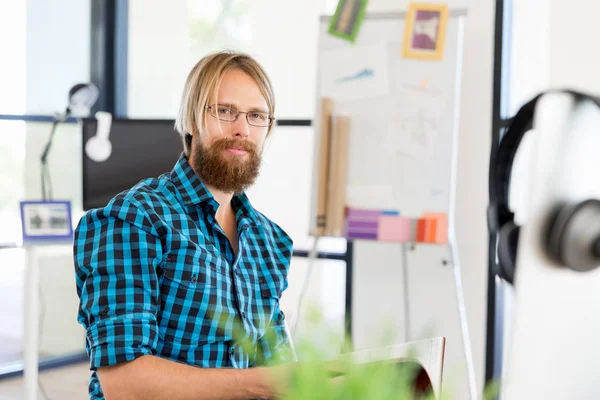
{"points": [[81, 96]]}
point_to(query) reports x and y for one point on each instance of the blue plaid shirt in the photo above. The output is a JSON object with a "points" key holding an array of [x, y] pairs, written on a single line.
{"points": [[157, 275]]}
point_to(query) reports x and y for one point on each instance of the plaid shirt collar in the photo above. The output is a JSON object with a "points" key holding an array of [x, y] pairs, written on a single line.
{"points": [[194, 192]]}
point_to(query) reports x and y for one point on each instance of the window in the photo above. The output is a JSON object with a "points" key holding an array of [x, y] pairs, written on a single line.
{"points": [[12, 101], [217, 25], [167, 38]]}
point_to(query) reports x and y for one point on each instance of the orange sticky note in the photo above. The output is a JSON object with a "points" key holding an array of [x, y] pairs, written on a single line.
{"points": [[421, 228], [430, 230], [441, 226]]}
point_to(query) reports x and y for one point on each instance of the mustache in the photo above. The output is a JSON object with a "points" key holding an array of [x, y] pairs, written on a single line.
{"points": [[224, 143]]}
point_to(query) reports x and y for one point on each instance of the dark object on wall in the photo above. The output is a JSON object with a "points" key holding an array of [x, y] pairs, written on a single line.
{"points": [[141, 148]]}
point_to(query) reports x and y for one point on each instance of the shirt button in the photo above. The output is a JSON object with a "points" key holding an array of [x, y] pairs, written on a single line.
{"points": [[243, 314], [194, 280]]}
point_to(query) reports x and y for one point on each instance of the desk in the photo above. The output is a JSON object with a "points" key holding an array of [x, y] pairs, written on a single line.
{"points": [[31, 332], [32, 340]]}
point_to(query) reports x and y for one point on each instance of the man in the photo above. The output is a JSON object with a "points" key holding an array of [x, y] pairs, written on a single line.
{"points": [[180, 277]]}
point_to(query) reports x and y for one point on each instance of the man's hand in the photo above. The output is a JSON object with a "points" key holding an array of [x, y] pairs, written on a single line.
{"points": [[277, 380]]}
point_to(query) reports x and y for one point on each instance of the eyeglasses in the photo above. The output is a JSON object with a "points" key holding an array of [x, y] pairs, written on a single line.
{"points": [[230, 114]]}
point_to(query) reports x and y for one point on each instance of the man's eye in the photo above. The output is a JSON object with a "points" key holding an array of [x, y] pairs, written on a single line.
{"points": [[258, 116], [224, 110]]}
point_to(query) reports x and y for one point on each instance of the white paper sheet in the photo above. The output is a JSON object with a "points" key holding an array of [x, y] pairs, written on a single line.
{"points": [[355, 73], [430, 353], [365, 196]]}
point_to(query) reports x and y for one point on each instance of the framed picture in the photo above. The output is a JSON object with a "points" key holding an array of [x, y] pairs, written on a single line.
{"points": [[425, 33], [347, 19], [46, 220]]}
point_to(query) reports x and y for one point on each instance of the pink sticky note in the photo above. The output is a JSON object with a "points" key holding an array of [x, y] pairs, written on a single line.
{"points": [[393, 228]]}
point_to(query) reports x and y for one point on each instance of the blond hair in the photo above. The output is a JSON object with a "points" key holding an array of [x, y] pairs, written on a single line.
{"points": [[201, 87]]}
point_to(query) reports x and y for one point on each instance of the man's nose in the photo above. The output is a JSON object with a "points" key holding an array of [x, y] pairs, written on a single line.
{"points": [[240, 126]]}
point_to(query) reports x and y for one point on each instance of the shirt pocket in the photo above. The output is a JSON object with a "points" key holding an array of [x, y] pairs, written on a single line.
{"points": [[190, 273], [192, 269]]}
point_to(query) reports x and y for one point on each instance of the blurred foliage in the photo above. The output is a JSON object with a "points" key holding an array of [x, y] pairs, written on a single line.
{"points": [[317, 377]]}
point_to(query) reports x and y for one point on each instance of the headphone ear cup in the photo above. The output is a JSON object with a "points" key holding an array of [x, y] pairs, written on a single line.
{"points": [[574, 236], [508, 242]]}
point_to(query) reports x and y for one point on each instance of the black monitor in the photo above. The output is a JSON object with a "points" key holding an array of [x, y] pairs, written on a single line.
{"points": [[141, 148]]}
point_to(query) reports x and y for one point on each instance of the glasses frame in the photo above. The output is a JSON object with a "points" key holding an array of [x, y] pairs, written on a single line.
{"points": [[212, 107]]}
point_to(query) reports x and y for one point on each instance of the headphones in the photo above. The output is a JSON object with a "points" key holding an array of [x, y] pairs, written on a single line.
{"points": [[98, 147], [571, 235]]}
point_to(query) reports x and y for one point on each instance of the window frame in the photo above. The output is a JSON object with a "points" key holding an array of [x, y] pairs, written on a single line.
{"points": [[500, 121]]}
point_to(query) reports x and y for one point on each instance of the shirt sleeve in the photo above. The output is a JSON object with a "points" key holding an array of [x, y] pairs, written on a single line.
{"points": [[116, 253]]}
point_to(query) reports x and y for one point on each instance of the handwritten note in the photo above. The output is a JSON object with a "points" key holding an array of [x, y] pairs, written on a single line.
{"points": [[349, 74]]}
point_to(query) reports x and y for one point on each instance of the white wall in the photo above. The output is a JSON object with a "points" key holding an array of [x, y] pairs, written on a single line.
{"points": [[552, 42], [573, 30]]}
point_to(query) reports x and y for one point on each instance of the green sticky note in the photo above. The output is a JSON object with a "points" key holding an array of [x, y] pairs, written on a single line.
{"points": [[347, 19]]}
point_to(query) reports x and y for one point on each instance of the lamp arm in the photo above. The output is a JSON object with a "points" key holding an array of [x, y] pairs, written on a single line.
{"points": [[44, 157]]}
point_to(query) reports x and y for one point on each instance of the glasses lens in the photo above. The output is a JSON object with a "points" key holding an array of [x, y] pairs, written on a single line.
{"points": [[258, 118], [224, 113]]}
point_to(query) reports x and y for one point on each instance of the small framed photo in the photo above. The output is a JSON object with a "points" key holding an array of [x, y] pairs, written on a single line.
{"points": [[347, 19], [46, 220], [425, 33]]}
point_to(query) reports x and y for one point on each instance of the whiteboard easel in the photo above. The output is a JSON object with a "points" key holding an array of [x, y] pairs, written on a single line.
{"points": [[403, 142]]}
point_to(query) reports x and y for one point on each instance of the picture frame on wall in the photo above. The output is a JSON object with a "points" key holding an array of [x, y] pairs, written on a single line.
{"points": [[425, 32], [46, 220], [347, 19]]}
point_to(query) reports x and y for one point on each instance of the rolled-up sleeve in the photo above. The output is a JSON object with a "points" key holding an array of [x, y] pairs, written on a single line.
{"points": [[276, 346], [116, 253]]}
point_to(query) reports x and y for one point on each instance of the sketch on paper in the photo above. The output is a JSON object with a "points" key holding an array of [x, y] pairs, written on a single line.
{"points": [[349, 74], [363, 74], [419, 131], [413, 130]]}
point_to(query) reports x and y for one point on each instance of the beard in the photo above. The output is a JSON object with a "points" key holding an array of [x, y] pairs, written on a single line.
{"points": [[229, 174]]}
